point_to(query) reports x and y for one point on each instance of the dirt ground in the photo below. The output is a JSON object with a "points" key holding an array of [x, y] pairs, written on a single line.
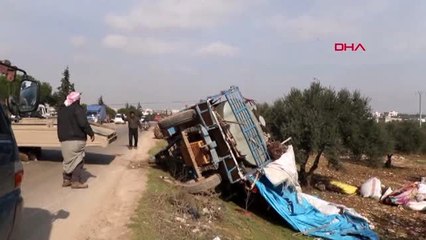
{"points": [[391, 222], [111, 221]]}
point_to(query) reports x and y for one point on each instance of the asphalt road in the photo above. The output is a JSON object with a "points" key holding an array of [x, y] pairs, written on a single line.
{"points": [[53, 212]]}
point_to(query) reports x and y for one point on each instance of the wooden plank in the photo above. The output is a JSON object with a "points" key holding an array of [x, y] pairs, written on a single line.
{"points": [[191, 154]]}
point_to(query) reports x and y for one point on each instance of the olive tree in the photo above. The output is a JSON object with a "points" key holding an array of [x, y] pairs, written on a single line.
{"points": [[309, 117], [323, 122]]}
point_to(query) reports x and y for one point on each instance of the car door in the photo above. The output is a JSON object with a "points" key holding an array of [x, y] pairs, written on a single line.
{"points": [[10, 194]]}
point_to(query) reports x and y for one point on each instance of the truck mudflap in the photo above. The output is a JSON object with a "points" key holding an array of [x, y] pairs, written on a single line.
{"points": [[33, 132]]}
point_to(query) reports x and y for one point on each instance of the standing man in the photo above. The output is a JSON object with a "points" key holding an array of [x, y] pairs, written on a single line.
{"points": [[134, 124], [73, 129]]}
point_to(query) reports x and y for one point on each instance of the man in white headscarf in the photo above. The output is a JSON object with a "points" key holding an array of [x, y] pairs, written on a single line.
{"points": [[73, 129]]}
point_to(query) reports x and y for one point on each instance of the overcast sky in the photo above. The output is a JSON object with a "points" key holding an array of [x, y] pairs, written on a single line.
{"points": [[165, 52]]}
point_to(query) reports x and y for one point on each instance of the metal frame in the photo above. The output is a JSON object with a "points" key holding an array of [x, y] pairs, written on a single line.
{"points": [[248, 127], [251, 133]]}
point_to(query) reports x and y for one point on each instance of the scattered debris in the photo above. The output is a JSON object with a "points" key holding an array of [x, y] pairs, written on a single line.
{"points": [[308, 214], [345, 188], [405, 224], [371, 188], [411, 196]]}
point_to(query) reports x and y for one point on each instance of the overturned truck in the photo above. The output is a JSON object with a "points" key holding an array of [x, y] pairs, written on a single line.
{"points": [[221, 140], [218, 139]]}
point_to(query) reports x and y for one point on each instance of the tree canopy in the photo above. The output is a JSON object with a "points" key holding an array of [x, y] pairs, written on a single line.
{"points": [[101, 100], [65, 88], [321, 122]]}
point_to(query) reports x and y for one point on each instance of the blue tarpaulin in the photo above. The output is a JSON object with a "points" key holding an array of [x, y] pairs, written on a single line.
{"points": [[303, 217]]}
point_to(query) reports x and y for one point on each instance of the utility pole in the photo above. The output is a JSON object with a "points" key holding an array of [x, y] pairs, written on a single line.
{"points": [[420, 107]]}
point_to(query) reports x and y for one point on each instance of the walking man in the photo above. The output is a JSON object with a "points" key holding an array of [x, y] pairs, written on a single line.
{"points": [[73, 129], [133, 124]]}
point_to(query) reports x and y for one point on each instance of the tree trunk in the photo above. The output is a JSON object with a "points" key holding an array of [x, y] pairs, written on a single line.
{"points": [[314, 167], [302, 172], [388, 163], [316, 162]]}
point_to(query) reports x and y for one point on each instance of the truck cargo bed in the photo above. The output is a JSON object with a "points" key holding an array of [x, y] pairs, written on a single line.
{"points": [[34, 132]]}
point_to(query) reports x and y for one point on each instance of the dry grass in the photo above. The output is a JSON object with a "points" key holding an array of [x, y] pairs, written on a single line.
{"points": [[168, 212]]}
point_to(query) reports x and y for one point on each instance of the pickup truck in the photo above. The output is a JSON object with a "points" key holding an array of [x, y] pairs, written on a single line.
{"points": [[35, 132], [96, 113]]}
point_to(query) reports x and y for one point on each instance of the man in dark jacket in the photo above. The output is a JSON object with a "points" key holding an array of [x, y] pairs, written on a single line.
{"points": [[134, 123], [73, 129]]}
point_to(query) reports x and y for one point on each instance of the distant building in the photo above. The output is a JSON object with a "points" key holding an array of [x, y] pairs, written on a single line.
{"points": [[392, 119], [377, 116], [393, 114]]}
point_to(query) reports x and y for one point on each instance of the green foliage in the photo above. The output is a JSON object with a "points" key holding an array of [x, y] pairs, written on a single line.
{"points": [[309, 117], [6, 87], [321, 121], [100, 100], [46, 94], [110, 112], [84, 106], [130, 108], [65, 88], [406, 136]]}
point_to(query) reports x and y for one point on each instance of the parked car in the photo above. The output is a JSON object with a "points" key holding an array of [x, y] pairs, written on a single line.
{"points": [[217, 139], [119, 119]]}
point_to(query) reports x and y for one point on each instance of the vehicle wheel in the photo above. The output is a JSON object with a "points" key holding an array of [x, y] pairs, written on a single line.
{"points": [[177, 119], [204, 185]]}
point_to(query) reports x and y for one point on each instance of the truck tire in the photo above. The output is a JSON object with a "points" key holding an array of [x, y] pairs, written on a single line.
{"points": [[177, 119], [203, 185]]}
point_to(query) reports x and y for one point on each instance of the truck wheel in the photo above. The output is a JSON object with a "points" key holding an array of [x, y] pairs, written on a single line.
{"points": [[177, 119], [204, 185]]}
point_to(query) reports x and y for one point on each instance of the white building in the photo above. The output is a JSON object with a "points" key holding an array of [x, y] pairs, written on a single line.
{"points": [[377, 114], [393, 114]]}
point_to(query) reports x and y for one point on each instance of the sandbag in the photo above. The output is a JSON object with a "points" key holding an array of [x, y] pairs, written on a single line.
{"points": [[346, 188], [283, 170], [421, 192], [371, 188]]}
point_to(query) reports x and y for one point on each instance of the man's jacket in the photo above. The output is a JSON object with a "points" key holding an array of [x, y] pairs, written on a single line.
{"points": [[73, 124]]}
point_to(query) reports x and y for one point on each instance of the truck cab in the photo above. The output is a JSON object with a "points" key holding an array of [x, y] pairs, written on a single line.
{"points": [[11, 169], [96, 113]]}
